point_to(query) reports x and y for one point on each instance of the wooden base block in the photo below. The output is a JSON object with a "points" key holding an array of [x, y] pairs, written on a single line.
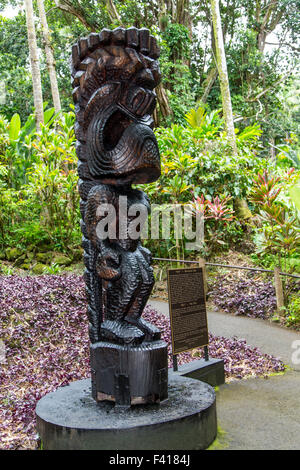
{"points": [[129, 375]]}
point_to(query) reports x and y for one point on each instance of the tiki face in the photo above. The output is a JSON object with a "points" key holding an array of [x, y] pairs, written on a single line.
{"points": [[114, 77]]}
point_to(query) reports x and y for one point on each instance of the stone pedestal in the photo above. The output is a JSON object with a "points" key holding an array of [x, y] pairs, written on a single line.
{"points": [[211, 372], [70, 419], [129, 375]]}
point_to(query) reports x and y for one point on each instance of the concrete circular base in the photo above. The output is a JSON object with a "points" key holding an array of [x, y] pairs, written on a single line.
{"points": [[70, 419]]}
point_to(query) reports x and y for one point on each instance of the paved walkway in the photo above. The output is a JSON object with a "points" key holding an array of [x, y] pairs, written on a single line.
{"points": [[258, 413]]}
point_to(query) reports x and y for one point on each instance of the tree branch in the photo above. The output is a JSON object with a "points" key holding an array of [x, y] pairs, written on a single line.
{"points": [[263, 92], [67, 6], [283, 44]]}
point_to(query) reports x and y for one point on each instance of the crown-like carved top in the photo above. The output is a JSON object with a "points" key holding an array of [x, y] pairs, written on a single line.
{"points": [[121, 54], [138, 39]]}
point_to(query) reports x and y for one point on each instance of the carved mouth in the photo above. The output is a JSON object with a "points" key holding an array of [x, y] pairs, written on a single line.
{"points": [[123, 147], [114, 128]]}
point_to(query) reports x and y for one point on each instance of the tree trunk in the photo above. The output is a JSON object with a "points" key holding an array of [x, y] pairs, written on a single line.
{"points": [[35, 66], [112, 11], [162, 14], [163, 101], [208, 84], [183, 14], [267, 18], [223, 75], [261, 41], [272, 149], [49, 56], [278, 289]]}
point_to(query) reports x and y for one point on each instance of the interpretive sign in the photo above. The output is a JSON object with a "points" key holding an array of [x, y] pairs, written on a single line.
{"points": [[187, 309]]}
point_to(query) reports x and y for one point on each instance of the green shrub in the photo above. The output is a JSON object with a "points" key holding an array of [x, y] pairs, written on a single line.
{"points": [[293, 312], [202, 158]]}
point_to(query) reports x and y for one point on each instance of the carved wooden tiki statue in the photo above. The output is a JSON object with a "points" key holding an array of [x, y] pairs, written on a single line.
{"points": [[114, 74]]}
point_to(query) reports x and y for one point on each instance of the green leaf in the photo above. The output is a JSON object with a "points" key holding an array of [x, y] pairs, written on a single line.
{"points": [[48, 115], [196, 117], [29, 126], [295, 195], [14, 127]]}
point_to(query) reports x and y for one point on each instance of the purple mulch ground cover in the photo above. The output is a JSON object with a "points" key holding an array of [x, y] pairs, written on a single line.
{"points": [[43, 326]]}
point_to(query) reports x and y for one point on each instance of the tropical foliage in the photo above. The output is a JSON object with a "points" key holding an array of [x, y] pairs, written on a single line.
{"points": [[38, 193], [247, 193]]}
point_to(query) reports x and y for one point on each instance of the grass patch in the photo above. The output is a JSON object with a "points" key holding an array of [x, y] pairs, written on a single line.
{"points": [[220, 443]]}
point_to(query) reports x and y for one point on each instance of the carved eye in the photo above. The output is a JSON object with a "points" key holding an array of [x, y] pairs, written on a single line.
{"points": [[140, 101]]}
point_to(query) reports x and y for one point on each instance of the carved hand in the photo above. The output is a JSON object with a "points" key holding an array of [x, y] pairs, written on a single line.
{"points": [[108, 266]]}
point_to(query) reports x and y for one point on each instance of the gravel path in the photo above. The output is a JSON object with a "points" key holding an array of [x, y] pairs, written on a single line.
{"points": [[258, 413]]}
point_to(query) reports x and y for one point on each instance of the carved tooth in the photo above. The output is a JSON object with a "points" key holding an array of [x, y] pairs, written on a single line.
{"points": [[93, 40], [83, 45], [90, 68], [104, 36], [132, 37], [73, 70], [90, 85], [79, 113], [154, 48], [82, 81], [75, 55], [118, 36], [144, 41]]}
